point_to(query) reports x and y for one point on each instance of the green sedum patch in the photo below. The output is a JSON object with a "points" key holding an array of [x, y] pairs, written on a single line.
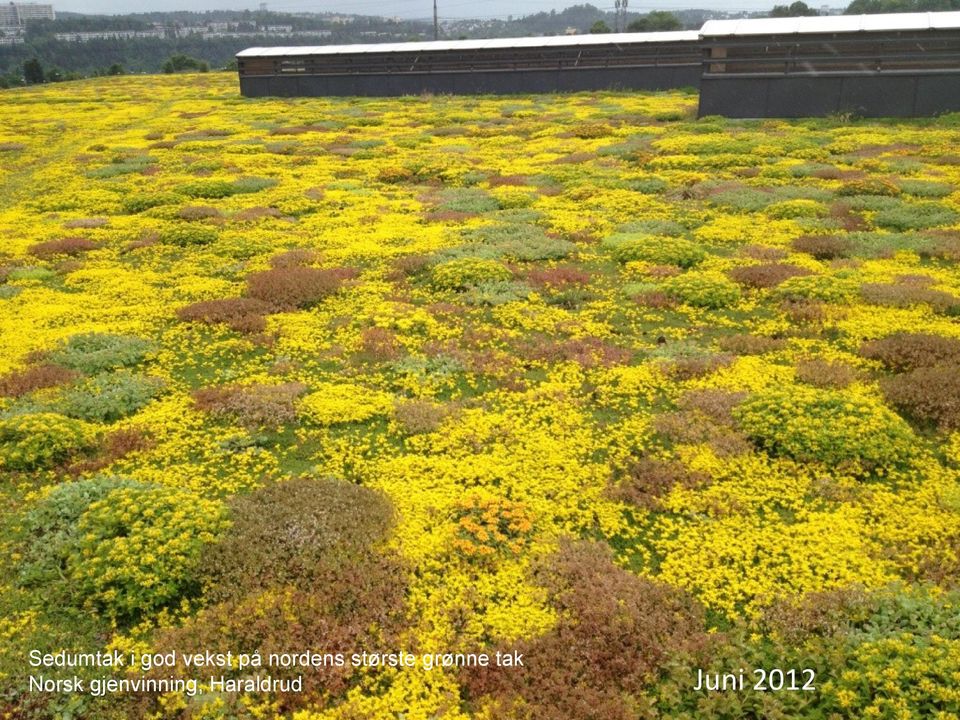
{"points": [[827, 426]]}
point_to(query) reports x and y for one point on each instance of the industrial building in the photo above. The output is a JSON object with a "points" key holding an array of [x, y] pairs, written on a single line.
{"points": [[896, 65], [626, 61], [903, 65]]}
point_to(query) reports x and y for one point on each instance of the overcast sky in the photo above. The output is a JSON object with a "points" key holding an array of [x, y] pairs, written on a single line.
{"points": [[403, 8]]}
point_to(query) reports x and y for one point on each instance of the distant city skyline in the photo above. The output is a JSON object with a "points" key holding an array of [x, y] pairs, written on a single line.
{"points": [[411, 9]]}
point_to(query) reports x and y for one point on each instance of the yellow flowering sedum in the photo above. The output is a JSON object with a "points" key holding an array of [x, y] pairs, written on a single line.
{"points": [[335, 403], [537, 325], [138, 546], [738, 565], [36, 440]]}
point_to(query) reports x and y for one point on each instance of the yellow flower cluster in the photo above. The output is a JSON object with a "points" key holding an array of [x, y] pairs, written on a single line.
{"points": [[489, 524], [334, 403]]}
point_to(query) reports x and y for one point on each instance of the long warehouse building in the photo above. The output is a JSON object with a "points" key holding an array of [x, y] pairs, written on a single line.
{"points": [[892, 65], [624, 61], [903, 64]]}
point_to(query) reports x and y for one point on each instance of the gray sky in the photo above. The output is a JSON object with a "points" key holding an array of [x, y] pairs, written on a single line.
{"points": [[401, 8]]}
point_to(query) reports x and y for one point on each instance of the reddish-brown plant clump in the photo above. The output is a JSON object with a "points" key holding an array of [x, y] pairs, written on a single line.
{"points": [[705, 417], [747, 344], [298, 129], [825, 613], [116, 446], [302, 568], [647, 479], [845, 216], [290, 288], [86, 223], [823, 247], [687, 368], [240, 314], [616, 630], [557, 277], [379, 345], [395, 175], [65, 246], [915, 279], [253, 406], [199, 212], [586, 351], [829, 173], [927, 395], [804, 312], [293, 258], [907, 351], [910, 294], [655, 299], [36, 377], [661, 272], [508, 180], [417, 417], [767, 275], [763, 253], [252, 214], [945, 246], [715, 404], [309, 533], [407, 266], [825, 374]]}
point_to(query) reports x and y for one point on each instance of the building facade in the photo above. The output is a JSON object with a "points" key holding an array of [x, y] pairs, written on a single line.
{"points": [[894, 65], [18, 14], [890, 65], [627, 61]]}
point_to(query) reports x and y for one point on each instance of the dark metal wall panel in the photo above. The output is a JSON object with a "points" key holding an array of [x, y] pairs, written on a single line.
{"points": [[277, 86], [733, 97], [685, 77], [937, 94], [805, 96], [580, 80], [880, 95], [254, 86], [495, 82]]}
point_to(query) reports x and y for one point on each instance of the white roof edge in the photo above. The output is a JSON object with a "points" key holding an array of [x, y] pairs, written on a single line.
{"points": [[492, 43], [832, 24]]}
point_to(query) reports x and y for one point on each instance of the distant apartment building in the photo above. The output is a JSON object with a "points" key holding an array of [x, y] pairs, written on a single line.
{"points": [[212, 31], [15, 15], [109, 35]]}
